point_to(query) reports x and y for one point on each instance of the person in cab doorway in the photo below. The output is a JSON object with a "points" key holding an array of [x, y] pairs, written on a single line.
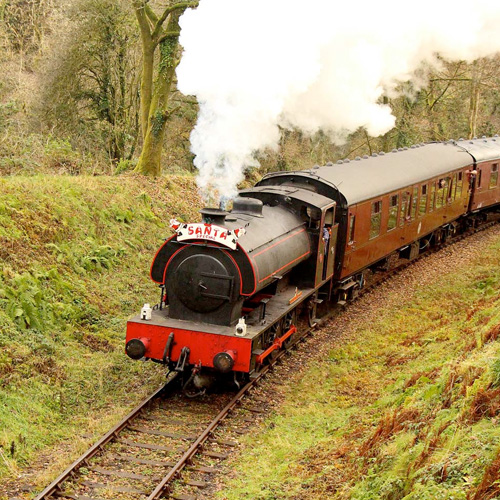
{"points": [[326, 238]]}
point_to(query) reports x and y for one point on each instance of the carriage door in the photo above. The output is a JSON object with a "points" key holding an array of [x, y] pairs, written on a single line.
{"points": [[326, 245]]}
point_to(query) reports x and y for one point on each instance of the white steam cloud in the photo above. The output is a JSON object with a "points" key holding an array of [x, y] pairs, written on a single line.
{"points": [[255, 65]]}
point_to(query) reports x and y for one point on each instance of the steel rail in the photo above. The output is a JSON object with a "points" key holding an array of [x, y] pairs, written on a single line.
{"points": [[163, 488], [55, 486]]}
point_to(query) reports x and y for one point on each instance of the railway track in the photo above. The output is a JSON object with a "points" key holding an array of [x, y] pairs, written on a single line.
{"points": [[165, 448], [158, 446]]}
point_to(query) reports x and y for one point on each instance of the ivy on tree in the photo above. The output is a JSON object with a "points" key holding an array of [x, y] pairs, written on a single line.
{"points": [[159, 34]]}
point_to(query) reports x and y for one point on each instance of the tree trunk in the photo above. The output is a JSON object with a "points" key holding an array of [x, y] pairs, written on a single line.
{"points": [[475, 93], [150, 160], [146, 86]]}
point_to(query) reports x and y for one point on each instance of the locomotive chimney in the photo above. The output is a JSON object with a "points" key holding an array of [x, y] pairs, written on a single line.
{"points": [[213, 215]]}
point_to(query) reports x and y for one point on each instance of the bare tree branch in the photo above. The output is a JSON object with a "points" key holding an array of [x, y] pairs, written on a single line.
{"points": [[168, 34], [449, 80], [150, 13], [144, 26]]}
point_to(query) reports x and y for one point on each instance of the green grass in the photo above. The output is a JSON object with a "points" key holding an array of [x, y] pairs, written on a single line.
{"points": [[75, 254], [406, 408]]}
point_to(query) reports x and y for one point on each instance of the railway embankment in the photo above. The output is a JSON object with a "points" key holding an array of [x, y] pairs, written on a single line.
{"points": [[74, 260], [396, 398]]}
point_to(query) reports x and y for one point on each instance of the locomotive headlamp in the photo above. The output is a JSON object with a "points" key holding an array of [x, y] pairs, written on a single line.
{"points": [[224, 361], [136, 348], [241, 328]]}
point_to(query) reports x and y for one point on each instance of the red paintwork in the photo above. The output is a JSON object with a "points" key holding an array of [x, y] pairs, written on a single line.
{"points": [[283, 267], [253, 272], [156, 255], [277, 344], [146, 341], [203, 345], [279, 242], [232, 354]]}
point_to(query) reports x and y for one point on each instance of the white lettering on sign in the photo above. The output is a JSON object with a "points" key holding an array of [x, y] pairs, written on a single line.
{"points": [[210, 232]]}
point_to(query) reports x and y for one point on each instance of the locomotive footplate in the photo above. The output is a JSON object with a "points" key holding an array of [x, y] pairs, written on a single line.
{"points": [[206, 341]]}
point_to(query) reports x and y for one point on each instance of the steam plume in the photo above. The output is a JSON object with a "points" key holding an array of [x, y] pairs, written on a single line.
{"points": [[255, 65]]}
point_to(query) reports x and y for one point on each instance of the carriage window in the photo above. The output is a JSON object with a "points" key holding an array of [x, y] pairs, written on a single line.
{"points": [[404, 204], [451, 182], [423, 200], [393, 212], [433, 197], [375, 219], [494, 176], [459, 184], [479, 176], [441, 191], [414, 199], [352, 225]]}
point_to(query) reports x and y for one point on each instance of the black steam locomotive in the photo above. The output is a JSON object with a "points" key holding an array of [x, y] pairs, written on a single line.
{"points": [[232, 284]]}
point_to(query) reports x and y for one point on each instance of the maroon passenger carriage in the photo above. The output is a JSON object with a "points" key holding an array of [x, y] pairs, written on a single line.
{"points": [[232, 284]]}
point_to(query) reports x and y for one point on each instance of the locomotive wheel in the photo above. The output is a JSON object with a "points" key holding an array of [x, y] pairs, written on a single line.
{"points": [[288, 321], [312, 307], [274, 332]]}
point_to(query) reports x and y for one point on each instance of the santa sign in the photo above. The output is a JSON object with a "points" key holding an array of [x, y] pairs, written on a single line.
{"points": [[209, 232]]}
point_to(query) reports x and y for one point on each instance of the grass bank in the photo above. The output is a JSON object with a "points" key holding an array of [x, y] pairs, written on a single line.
{"points": [[74, 264], [407, 407]]}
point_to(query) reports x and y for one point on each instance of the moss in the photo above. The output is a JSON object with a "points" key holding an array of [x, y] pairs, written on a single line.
{"points": [[158, 122], [168, 50]]}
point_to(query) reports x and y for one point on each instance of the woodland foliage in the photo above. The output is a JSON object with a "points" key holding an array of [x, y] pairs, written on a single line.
{"points": [[72, 76], [89, 84]]}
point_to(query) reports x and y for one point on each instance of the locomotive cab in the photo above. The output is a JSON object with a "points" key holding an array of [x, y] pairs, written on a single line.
{"points": [[318, 214]]}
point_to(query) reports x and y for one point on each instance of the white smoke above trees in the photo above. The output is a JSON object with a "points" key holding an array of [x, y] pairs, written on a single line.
{"points": [[255, 65]]}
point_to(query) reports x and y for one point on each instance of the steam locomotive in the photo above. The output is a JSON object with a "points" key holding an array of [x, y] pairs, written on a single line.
{"points": [[232, 285]]}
